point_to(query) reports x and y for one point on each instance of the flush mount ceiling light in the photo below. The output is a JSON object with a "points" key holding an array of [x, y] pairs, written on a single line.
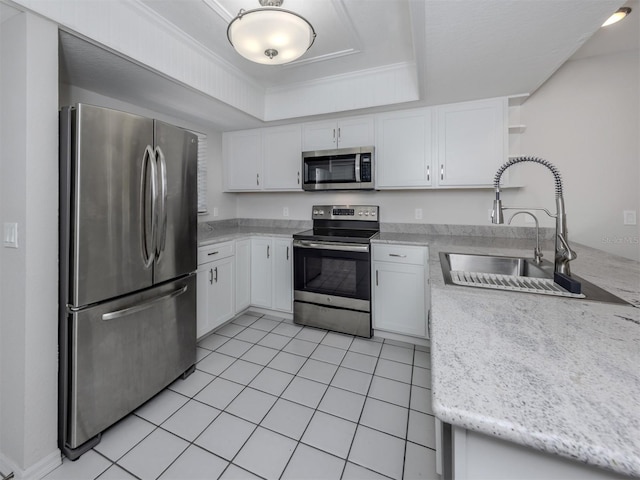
{"points": [[270, 35], [616, 17]]}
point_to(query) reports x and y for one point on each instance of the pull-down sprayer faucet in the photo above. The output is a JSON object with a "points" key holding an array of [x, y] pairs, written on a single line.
{"points": [[563, 254]]}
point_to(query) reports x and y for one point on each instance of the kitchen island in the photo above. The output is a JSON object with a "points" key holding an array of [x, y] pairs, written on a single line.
{"points": [[561, 376]]}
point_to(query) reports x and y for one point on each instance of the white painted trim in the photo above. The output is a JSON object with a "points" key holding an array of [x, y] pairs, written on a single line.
{"points": [[387, 85], [184, 37], [321, 58], [217, 7], [34, 472], [342, 77]]}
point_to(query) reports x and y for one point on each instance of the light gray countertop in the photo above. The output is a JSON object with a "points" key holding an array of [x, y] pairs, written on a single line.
{"points": [[558, 375], [555, 374], [225, 234]]}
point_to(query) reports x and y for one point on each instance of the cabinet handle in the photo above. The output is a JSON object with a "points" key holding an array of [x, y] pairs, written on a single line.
{"points": [[287, 253], [338, 132], [257, 179], [216, 279], [213, 253], [334, 134], [397, 255], [428, 173], [267, 251], [298, 178], [376, 278], [211, 276], [442, 172]]}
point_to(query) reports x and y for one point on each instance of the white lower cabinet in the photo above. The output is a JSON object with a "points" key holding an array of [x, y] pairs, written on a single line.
{"points": [[215, 286], [401, 294], [272, 273], [476, 456], [235, 275], [243, 274]]}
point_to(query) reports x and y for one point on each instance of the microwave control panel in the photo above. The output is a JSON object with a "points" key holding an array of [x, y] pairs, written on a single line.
{"points": [[365, 167]]}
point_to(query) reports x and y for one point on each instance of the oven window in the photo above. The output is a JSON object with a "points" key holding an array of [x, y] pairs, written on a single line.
{"points": [[335, 169], [329, 272]]}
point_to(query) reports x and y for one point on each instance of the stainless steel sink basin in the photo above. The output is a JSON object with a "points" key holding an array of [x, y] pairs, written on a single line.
{"points": [[517, 266], [515, 274]]}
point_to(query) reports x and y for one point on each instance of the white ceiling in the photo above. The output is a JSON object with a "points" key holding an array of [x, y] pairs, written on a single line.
{"points": [[459, 49]]}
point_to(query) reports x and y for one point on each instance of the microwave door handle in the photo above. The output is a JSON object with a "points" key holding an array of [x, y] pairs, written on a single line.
{"points": [[357, 167]]}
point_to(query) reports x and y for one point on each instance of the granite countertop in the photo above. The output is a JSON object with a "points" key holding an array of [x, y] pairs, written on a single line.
{"points": [[224, 234], [555, 374]]}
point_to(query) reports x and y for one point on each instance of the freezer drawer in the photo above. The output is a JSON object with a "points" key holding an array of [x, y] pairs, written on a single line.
{"points": [[123, 352]]}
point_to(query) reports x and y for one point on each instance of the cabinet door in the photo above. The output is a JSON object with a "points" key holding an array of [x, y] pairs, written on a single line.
{"points": [[221, 301], [242, 156], [261, 272], [243, 274], [472, 140], [283, 275], [282, 157], [404, 149], [202, 299], [319, 136], [356, 132], [399, 298]]}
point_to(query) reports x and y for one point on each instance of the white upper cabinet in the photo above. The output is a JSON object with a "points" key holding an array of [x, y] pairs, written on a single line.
{"points": [[472, 142], [263, 159], [343, 133], [405, 149], [282, 149], [242, 154]]}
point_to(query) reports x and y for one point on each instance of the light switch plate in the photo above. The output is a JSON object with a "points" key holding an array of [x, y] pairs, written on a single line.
{"points": [[10, 238], [630, 217], [418, 214]]}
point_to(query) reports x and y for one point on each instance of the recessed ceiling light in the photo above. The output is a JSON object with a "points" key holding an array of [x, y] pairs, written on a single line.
{"points": [[616, 17]]}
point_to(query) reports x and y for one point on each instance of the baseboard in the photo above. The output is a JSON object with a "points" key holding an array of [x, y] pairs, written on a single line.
{"points": [[34, 472]]}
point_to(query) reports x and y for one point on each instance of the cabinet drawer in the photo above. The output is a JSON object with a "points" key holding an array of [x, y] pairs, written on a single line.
{"points": [[209, 253], [399, 254]]}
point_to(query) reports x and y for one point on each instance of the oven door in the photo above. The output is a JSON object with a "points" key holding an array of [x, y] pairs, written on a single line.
{"points": [[332, 286]]}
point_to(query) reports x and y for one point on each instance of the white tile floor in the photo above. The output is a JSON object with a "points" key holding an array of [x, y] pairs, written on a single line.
{"points": [[270, 399]]}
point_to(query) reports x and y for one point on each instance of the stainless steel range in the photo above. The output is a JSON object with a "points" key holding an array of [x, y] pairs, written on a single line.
{"points": [[332, 269]]}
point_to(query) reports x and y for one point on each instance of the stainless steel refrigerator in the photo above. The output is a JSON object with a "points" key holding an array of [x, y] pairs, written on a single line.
{"points": [[128, 255]]}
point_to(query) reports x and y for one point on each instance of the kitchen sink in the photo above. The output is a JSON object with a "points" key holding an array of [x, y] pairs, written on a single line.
{"points": [[517, 274], [513, 266]]}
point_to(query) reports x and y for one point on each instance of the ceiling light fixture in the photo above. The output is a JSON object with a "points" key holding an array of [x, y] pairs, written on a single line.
{"points": [[616, 17], [270, 35]]}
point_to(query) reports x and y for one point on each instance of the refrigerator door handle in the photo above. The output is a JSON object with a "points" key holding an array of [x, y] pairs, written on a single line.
{"points": [[143, 306], [148, 251], [162, 172]]}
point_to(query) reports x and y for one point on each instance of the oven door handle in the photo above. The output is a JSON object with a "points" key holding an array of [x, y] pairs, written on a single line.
{"points": [[344, 247]]}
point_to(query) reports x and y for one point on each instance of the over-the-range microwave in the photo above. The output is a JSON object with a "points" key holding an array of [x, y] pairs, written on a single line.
{"points": [[339, 169]]}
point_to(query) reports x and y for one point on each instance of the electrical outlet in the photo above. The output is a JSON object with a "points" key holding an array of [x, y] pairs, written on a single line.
{"points": [[215, 211], [10, 235], [285, 212], [418, 214], [630, 217]]}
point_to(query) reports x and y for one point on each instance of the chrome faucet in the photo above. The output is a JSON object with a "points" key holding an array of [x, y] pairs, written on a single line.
{"points": [[537, 253], [564, 254]]}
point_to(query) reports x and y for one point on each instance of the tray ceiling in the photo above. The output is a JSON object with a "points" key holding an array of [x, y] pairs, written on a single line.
{"points": [[442, 51]]}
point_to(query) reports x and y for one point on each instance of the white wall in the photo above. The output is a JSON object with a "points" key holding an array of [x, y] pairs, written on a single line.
{"points": [[28, 279], [584, 120], [225, 202]]}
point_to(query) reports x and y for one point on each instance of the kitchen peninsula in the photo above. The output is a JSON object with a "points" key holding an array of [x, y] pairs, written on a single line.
{"points": [[557, 375]]}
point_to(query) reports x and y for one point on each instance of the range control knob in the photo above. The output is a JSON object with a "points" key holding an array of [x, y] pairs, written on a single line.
{"points": [[320, 212], [360, 213], [373, 213], [366, 214], [315, 212]]}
